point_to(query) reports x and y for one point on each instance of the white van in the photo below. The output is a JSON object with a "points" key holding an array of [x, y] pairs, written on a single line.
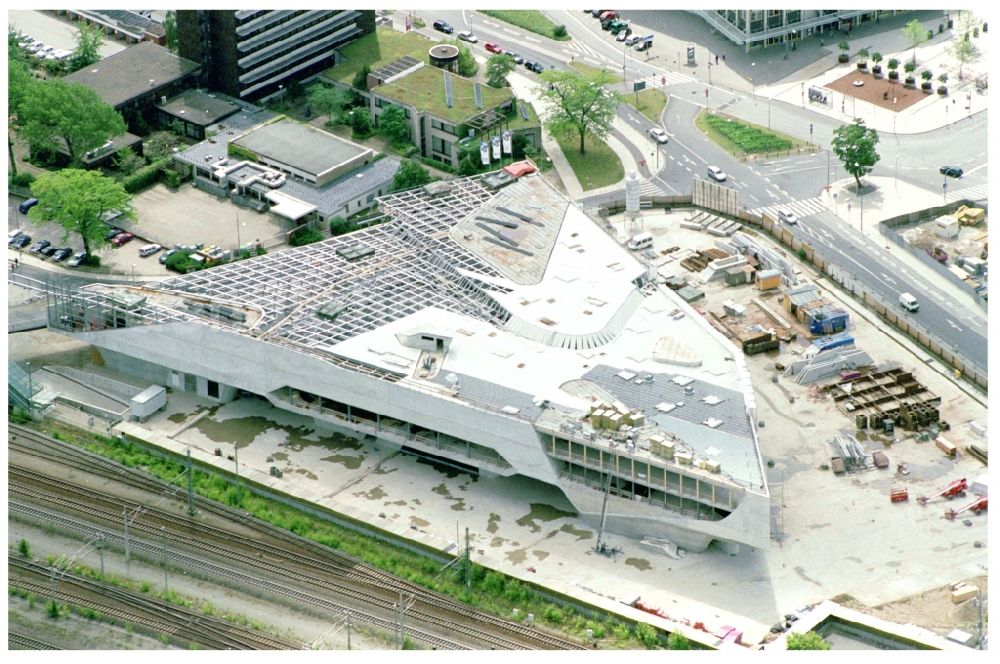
{"points": [[640, 241], [908, 302]]}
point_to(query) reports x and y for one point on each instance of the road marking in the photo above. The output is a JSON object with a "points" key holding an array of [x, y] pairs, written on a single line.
{"points": [[755, 198], [532, 39], [973, 170], [511, 32], [952, 323], [888, 278]]}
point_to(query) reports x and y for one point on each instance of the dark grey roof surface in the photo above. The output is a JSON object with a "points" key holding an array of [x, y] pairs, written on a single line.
{"points": [[332, 196], [127, 74], [645, 396], [200, 108], [300, 146]]}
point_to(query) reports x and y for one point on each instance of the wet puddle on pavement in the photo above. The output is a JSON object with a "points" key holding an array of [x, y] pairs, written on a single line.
{"points": [[542, 512]]}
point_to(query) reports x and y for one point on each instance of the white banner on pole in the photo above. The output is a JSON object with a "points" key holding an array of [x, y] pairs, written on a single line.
{"points": [[484, 153], [496, 146], [507, 142]]}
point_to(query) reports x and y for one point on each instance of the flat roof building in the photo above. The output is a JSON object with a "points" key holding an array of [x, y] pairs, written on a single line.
{"points": [[192, 111], [133, 81], [499, 328], [764, 27], [303, 151]]}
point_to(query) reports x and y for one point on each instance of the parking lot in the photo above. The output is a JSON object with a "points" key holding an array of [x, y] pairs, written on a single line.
{"points": [[187, 216], [54, 31]]}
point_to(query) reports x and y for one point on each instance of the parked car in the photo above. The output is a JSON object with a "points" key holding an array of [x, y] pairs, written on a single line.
{"points": [[493, 47], [518, 60], [62, 254], [27, 205], [112, 232], [644, 44], [48, 251], [13, 234], [467, 36], [786, 216], [597, 12], [37, 247], [951, 171], [716, 174], [149, 250], [77, 259], [624, 35], [444, 27], [631, 40], [21, 241], [531, 65], [608, 14], [658, 134], [167, 254], [122, 238]]}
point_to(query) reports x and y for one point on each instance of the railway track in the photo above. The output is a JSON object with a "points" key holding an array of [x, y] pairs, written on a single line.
{"points": [[17, 641], [140, 609], [314, 569]]}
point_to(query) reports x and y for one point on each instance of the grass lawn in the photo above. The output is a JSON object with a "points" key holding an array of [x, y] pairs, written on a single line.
{"points": [[531, 20], [736, 136], [599, 167], [651, 103], [377, 49], [587, 70]]}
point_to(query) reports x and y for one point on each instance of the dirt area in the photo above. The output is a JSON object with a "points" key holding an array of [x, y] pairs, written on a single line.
{"points": [[971, 240], [879, 91], [932, 609]]}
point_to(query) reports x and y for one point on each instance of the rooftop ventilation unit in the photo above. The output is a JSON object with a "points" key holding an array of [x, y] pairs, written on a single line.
{"points": [[438, 188], [498, 180], [353, 252], [331, 310], [523, 109]]}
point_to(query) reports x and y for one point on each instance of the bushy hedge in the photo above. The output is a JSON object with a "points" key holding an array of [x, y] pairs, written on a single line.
{"points": [[746, 137], [22, 179], [145, 176], [303, 236], [180, 261]]}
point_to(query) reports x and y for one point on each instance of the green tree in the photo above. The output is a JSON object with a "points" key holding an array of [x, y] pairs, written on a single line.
{"points": [[88, 42], [56, 114], [893, 64], [170, 30], [877, 58], [24, 549], [340, 226], [677, 641], [854, 144], [646, 633], [128, 162], [806, 641], [360, 81], [966, 22], [863, 55], [160, 144], [578, 103], [75, 199], [916, 34], [410, 175], [394, 126], [361, 122], [964, 51], [497, 68], [326, 99], [466, 62]]}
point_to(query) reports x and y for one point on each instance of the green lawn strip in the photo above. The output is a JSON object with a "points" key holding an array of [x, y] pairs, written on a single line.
{"points": [[586, 69], [377, 49], [493, 592], [598, 167], [651, 103], [740, 137], [531, 20]]}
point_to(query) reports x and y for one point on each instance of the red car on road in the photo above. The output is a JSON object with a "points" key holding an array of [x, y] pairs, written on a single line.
{"points": [[493, 48], [122, 238]]}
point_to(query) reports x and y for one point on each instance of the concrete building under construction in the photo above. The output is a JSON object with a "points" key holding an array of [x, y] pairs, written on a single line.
{"points": [[490, 322]]}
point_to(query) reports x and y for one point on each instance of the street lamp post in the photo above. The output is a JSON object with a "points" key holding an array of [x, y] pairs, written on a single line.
{"points": [[133, 274], [31, 391], [769, 113], [897, 171], [753, 84], [709, 73]]}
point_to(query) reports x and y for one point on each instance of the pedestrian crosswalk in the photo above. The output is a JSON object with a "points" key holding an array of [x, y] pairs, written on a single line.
{"points": [[979, 192], [650, 188], [579, 47], [671, 78], [803, 208]]}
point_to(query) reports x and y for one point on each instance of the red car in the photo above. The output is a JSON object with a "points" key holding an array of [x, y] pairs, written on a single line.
{"points": [[493, 48], [122, 238]]}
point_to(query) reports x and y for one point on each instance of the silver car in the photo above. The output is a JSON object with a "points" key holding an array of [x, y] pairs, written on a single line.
{"points": [[716, 174], [658, 134], [467, 36]]}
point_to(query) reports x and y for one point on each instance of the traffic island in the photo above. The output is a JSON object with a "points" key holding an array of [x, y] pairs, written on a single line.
{"points": [[745, 139], [651, 103]]}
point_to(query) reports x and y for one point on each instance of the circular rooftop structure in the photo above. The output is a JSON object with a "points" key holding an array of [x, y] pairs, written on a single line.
{"points": [[444, 56]]}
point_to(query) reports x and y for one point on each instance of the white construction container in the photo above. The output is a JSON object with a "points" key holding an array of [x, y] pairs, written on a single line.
{"points": [[147, 402]]}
